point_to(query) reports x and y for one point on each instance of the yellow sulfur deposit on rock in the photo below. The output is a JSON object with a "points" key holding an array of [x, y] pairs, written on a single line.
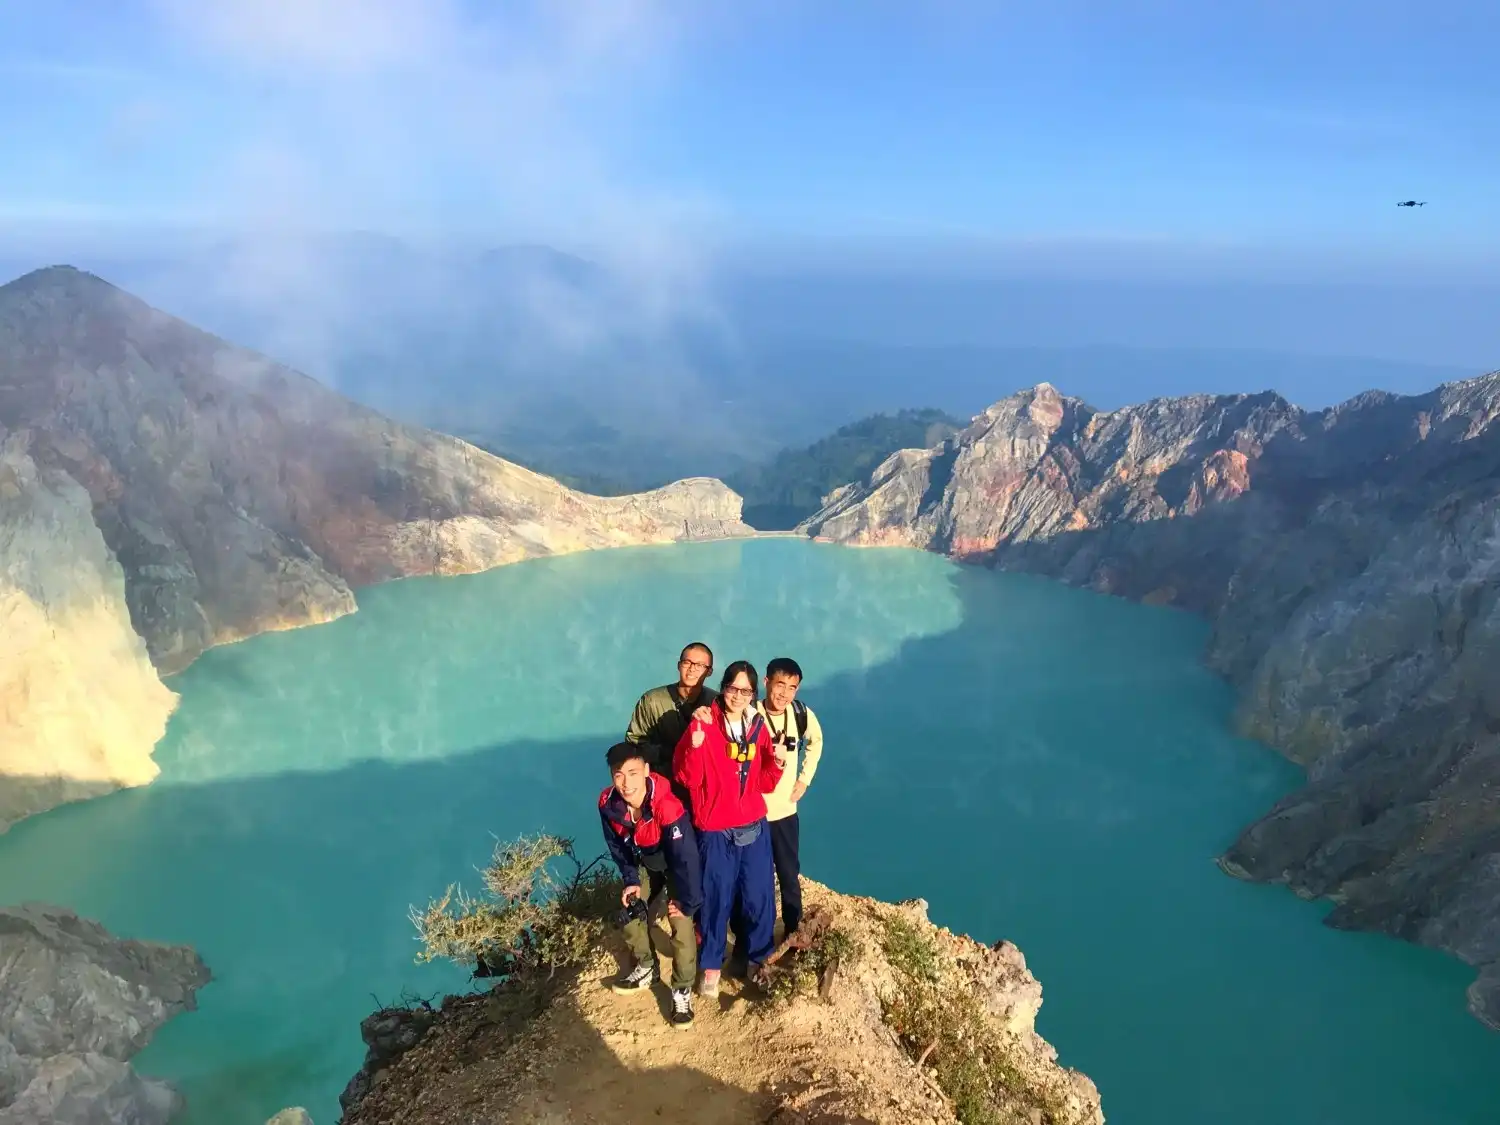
{"points": [[81, 707]]}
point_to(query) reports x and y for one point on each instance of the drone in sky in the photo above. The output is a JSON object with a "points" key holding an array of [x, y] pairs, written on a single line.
{"points": [[1412, 203]]}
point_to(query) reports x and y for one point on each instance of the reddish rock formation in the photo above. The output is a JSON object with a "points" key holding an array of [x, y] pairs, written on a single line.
{"points": [[1350, 562]]}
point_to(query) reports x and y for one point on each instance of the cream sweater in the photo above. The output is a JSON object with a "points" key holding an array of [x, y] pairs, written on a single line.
{"points": [[800, 764]]}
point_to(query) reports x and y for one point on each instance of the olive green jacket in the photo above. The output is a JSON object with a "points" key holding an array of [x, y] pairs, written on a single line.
{"points": [[659, 720]]}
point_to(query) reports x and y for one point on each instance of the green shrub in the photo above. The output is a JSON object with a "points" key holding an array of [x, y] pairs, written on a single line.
{"points": [[531, 922], [908, 950], [942, 1022], [800, 972]]}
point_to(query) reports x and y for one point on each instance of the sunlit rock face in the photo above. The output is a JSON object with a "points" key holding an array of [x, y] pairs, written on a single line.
{"points": [[81, 707], [1350, 562]]}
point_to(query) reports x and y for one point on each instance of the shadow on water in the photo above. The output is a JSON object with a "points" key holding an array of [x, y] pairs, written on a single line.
{"points": [[1055, 770]]}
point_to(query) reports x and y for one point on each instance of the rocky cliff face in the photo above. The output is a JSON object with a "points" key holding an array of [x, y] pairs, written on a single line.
{"points": [[241, 496], [1349, 560], [222, 495], [81, 707], [886, 1020], [75, 1005]]}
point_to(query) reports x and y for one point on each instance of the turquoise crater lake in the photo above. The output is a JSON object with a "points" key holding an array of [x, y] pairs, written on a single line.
{"points": [[1039, 763]]}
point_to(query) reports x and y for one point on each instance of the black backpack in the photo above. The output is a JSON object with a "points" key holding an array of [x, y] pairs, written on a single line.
{"points": [[799, 712]]}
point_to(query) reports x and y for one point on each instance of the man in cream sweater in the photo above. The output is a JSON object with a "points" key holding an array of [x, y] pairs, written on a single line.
{"points": [[797, 740]]}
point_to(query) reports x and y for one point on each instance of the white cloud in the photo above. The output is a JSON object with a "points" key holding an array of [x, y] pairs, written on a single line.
{"points": [[510, 121], [332, 35], [410, 113], [69, 72]]}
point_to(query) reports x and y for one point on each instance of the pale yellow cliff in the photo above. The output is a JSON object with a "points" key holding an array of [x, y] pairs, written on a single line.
{"points": [[81, 707]]}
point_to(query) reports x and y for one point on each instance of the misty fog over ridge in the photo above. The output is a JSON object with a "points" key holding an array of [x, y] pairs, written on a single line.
{"points": [[552, 359]]}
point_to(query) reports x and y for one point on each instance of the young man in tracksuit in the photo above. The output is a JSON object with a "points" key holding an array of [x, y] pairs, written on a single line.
{"points": [[797, 741], [651, 838]]}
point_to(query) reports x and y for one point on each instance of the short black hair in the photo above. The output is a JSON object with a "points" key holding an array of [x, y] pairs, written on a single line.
{"points": [[622, 752], [698, 644], [783, 666]]}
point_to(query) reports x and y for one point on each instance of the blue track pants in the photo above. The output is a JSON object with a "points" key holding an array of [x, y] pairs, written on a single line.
{"points": [[742, 881]]}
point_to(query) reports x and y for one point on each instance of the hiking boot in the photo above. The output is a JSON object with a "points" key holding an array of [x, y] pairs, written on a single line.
{"points": [[639, 979], [682, 1008], [737, 966], [709, 985]]}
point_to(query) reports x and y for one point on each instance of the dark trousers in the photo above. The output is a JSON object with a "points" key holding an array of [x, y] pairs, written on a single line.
{"points": [[657, 888], [737, 881], [786, 836]]}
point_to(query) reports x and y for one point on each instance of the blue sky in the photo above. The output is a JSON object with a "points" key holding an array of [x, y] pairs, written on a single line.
{"points": [[1134, 149], [1223, 123]]}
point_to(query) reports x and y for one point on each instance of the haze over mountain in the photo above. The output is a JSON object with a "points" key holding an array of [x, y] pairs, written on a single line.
{"points": [[549, 358]]}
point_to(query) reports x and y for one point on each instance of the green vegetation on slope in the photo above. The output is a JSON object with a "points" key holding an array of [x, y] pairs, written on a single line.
{"points": [[778, 494], [791, 487], [938, 1016]]}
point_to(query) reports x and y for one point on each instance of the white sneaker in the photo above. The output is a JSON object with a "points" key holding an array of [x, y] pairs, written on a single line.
{"points": [[639, 979], [709, 985], [682, 1008]]}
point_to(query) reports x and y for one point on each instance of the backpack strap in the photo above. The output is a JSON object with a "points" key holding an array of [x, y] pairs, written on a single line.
{"points": [[799, 712]]}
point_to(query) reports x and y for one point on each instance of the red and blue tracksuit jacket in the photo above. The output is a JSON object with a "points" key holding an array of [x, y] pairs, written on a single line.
{"points": [[661, 840]]}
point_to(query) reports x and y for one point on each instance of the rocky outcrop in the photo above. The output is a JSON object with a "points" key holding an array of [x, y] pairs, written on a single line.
{"points": [[388, 1034], [241, 496], [230, 496], [81, 707], [1349, 560], [887, 1020], [75, 1005]]}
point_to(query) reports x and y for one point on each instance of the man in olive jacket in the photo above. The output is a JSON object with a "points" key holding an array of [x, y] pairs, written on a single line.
{"points": [[663, 713]]}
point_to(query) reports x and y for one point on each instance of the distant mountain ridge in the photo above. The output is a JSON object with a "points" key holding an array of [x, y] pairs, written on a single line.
{"points": [[1349, 560], [626, 378], [790, 487]]}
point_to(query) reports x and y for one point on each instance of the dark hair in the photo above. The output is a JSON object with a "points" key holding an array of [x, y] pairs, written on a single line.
{"points": [[783, 666], [732, 673], [698, 644], [622, 752]]}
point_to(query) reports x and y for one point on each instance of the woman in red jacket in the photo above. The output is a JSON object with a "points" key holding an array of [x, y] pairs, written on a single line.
{"points": [[726, 766]]}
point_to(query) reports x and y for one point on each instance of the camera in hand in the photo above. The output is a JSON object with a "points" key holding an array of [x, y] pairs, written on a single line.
{"points": [[636, 909]]}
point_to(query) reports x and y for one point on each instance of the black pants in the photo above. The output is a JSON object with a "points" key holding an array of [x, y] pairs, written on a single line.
{"points": [[786, 835]]}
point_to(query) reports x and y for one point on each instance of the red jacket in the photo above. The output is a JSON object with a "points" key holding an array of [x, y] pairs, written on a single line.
{"points": [[662, 840], [712, 777]]}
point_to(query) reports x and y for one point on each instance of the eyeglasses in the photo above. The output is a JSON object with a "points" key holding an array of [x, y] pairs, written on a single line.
{"points": [[685, 663], [745, 691]]}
